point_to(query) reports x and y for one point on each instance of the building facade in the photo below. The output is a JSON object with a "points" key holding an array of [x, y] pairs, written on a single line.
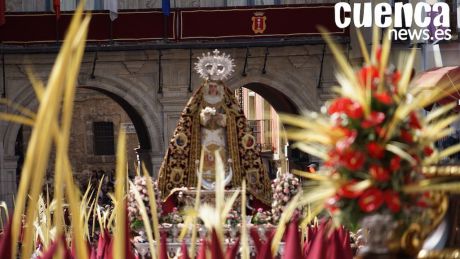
{"points": [[268, 130], [128, 80], [146, 83]]}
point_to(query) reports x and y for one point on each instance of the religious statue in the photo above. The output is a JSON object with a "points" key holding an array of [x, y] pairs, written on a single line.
{"points": [[213, 135], [213, 123]]}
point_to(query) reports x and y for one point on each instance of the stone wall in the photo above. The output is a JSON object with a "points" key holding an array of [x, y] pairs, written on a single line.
{"points": [[91, 106], [133, 77]]}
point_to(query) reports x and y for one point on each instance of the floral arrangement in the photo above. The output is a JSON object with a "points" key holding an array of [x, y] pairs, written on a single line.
{"points": [[374, 142], [261, 217], [173, 217], [209, 110], [388, 162], [140, 185], [285, 186], [233, 218]]}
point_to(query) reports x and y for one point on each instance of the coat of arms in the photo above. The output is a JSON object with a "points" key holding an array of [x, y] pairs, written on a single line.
{"points": [[258, 22]]}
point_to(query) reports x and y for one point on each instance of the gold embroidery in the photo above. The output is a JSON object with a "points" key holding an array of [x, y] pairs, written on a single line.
{"points": [[178, 170]]}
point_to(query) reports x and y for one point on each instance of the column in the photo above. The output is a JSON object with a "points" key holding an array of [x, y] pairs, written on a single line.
{"points": [[8, 183], [172, 109]]}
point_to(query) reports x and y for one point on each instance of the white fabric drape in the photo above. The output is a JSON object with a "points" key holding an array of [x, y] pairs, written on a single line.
{"points": [[68, 5], [89, 5], [237, 2], [264, 2], [112, 6]]}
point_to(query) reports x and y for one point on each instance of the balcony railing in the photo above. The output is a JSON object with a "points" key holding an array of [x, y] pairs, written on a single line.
{"points": [[263, 142], [69, 5], [183, 28]]}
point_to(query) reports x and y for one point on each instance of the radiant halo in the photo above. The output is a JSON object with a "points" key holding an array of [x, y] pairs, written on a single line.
{"points": [[214, 67]]}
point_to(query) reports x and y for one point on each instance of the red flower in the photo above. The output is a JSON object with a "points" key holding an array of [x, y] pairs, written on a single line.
{"points": [[369, 72], [345, 105], [375, 150], [379, 173], [346, 131], [338, 105], [406, 136], [347, 191], [428, 151], [413, 121], [384, 98], [392, 201], [374, 119], [371, 200], [352, 159], [395, 163]]}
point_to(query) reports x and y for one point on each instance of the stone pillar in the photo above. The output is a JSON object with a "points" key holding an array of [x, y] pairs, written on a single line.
{"points": [[172, 109], [173, 101], [144, 156], [156, 162], [8, 185]]}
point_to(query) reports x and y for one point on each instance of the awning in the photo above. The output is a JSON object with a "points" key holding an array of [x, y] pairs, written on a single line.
{"points": [[440, 76]]}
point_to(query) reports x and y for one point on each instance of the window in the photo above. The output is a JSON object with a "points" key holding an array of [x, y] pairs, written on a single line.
{"points": [[103, 138], [256, 127]]}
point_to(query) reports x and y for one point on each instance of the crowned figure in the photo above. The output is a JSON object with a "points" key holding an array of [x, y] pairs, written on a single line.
{"points": [[212, 124]]}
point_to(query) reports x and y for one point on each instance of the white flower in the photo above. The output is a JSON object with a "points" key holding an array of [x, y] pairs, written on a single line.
{"points": [[209, 110], [140, 184], [284, 188]]}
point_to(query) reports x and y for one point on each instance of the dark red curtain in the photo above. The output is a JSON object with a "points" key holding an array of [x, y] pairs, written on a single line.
{"points": [[2, 12]]}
